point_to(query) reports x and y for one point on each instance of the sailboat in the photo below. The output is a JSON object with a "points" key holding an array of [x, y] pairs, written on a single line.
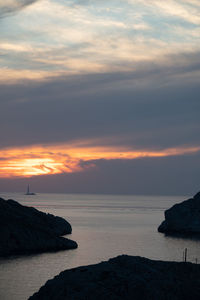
{"points": [[28, 191]]}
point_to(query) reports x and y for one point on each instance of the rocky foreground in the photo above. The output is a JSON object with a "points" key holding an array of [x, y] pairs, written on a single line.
{"points": [[25, 230], [125, 277], [183, 218]]}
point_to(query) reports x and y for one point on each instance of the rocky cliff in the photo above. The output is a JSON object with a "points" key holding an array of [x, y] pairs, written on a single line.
{"points": [[125, 277], [183, 218], [26, 230]]}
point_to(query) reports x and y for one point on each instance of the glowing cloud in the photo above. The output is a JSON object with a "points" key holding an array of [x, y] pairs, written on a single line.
{"points": [[55, 159], [92, 36], [11, 6]]}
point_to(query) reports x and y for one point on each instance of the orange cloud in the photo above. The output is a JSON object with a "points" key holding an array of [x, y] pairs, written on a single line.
{"points": [[55, 159]]}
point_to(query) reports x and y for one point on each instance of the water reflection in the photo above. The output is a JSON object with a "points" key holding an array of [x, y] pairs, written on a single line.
{"points": [[104, 227]]}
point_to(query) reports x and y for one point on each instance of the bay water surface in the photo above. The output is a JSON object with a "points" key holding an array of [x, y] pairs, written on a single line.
{"points": [[104, 226]]}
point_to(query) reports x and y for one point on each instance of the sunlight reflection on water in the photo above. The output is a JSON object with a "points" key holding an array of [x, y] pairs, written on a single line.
{"points": [[104, 226]]}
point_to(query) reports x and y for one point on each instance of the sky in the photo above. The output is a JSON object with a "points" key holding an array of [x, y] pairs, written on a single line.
{"points": [[100, 96]]}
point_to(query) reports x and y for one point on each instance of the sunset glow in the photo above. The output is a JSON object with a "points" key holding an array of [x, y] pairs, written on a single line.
{"points": [[105, 93], [43, 160]]}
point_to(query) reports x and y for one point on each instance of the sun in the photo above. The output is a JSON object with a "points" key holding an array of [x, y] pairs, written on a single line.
{"points": [[57, 159]]}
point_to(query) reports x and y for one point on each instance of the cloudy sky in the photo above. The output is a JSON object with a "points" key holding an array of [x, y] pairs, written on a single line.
{"points": [[100, 96]]}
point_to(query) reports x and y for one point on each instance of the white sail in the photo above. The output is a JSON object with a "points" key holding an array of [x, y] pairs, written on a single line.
{"points": [[28, 191]]}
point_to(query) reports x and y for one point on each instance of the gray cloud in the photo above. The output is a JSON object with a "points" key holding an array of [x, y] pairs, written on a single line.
{"points": [[156, 106], [7, 9]]}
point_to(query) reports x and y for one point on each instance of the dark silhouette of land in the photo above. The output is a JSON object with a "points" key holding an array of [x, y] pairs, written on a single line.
{"points": [[183, 219], [125, 277], [26, 230]]}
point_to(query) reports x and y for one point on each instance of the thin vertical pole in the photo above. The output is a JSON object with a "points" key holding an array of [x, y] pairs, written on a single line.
{"points": [[185, 254]]}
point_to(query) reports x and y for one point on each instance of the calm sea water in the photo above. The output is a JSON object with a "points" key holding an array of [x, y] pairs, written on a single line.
{"points": [[104, 227]]}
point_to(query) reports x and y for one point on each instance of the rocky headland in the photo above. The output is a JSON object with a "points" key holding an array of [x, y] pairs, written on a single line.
{"points": [[125, 277], [183, 218], [25, 230]]}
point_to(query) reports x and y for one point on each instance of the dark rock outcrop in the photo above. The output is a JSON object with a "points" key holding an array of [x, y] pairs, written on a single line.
{"points": [[125, 277], [26, 230], [183, 218]]}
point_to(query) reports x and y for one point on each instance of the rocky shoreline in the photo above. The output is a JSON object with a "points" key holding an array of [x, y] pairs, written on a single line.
{"points": [[125, 277], [26, 230], [183, 218]]}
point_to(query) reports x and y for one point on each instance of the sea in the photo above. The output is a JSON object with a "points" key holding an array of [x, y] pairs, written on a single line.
{"points": [[104, 226]]}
